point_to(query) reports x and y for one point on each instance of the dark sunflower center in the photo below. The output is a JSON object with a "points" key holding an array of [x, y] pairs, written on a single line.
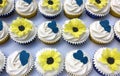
{"points": [[21, 28], [50, 2], [1, 1], [75, 29], [110, 60], [98, 1], [50, 60]]}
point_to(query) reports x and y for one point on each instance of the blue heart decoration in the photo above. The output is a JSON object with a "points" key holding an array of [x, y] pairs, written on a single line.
{"points": [[79, 2], [28, 1], [105, 25], [52, 25], [1, 25], [79, 56], [24, 56]]}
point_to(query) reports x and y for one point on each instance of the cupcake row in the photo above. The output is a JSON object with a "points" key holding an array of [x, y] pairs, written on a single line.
{"points": [[73, 31], [50, 62], [52, 8]]}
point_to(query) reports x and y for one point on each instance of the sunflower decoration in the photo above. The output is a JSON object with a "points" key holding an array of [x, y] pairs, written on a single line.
{"points": [[3, 3], [111, 57], [99, 3], [75, 27], [51, 4], [50, 60], [21, 27]]}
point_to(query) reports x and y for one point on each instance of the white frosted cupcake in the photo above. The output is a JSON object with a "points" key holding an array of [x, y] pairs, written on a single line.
{"points": [[26, 8], [19, 63], [101, 32], [2, 61], [97, 8], [50, 8], [73, 8], [78, 63], [75, 31], [4, 36], [117, 30], [23, 31], [6, 8], [49, 62], [49, 32], [115, 8], [106, 61]]}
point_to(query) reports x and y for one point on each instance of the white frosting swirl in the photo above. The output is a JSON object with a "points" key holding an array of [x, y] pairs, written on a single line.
{"points": [[70, 38], [115, 5], [95, 10], [48, 11], [27, 38], [8, 8], [98, 33], [2, 61], [14, 66], [103, 67], [76, 67], [117, 28], [46, 34], [4, 31], [71, 7], [24, 8]]}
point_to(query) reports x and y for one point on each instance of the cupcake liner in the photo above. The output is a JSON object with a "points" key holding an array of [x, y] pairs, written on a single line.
{"points": [[28, 16], [113, 13], [5, 58], [8, 14], [72, 16], [117, 38], [51, 17], [61, 65], [99, 42], [4, 39]]}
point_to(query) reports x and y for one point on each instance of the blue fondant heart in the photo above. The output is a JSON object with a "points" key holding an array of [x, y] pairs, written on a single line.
{"points": [[84, 60], [105, 25], [79, 56], [24, 56], [79, 2], [52, 25], [1, 25], [28, 1]]}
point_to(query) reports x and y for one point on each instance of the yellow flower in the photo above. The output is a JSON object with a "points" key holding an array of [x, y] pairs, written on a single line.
{"points": [[21, 27], [75, 27], [99, 3], [52, 4], [50, 60], [111, 58], [3, 3]]}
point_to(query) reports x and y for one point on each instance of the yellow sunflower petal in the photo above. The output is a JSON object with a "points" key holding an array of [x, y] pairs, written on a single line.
{"points": [[113, 67]]}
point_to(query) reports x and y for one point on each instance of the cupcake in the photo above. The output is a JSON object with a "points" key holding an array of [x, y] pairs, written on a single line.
{"points": [[26, 8], [106, 61], [22, 31], [49, 62], [6, 8], [115, 8], [49, 32], [101, 32], [73, 8], [97, 8], [4, 36], [19, 63], [117, 30], [50, 8], [2, 61], [78, 63], [74, 31]]}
